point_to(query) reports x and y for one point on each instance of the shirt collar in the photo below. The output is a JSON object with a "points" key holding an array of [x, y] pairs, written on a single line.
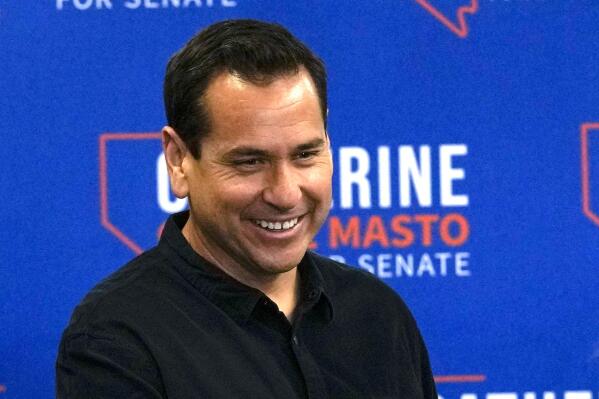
{"points": [[313, 293], [237, 299]]}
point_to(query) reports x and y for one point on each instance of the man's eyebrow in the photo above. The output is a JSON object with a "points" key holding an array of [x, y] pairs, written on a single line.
{"points": [[248, 151], [310, 145]]}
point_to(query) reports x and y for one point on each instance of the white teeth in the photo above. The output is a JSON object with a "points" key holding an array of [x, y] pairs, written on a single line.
{"points": [[286, 225]]}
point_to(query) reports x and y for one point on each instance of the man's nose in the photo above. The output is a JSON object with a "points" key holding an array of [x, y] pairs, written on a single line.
{"points": [[283, 187]]}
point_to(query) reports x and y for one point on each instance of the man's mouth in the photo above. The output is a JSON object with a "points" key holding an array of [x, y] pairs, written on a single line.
{"points": [[277, 225]]}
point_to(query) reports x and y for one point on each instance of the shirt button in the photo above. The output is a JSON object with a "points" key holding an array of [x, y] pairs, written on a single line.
{"points": [[295, 340], [312, 294]]}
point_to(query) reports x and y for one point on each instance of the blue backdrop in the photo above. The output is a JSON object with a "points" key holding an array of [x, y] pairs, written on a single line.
{"points": [[466, 171]]}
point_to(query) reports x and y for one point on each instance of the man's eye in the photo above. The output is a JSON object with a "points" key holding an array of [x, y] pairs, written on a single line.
{"points": [[306, 154], [247, 162]]}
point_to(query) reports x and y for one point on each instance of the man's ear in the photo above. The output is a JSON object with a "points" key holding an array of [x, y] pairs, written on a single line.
{"points": [[175, 152]]}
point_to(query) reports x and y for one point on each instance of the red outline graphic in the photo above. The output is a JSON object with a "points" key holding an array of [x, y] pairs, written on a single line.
{"points": [[3, 388], [585, 129], [104, 218], [461, 29], [460, 378]]}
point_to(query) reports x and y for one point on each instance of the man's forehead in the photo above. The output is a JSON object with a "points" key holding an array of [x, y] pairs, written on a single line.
{"points": [[245, 114], [286, 100], [227, 83]]}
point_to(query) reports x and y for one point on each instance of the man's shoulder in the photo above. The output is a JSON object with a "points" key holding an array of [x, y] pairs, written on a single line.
{"points": [[121, 294], [359, 298], [342, 272], [349, 283]]}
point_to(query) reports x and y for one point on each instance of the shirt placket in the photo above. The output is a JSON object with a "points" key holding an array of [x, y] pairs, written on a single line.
{"points": [[315, 385]]}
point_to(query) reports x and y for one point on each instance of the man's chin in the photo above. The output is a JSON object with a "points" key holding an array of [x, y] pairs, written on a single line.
{"points": [[274, 263], [276, 256], [274, 268]]}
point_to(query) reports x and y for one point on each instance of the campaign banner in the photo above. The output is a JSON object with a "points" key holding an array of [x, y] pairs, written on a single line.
{"points": [[465, 144]]}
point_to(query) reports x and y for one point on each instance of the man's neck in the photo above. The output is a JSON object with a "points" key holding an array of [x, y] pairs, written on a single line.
{"points": [[285, 293], [282, 288]]}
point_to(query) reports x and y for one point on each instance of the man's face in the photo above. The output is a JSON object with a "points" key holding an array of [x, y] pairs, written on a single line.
{"points": [[262, 186]]}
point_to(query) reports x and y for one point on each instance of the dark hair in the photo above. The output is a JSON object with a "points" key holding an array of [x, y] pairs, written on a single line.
{"points": [[256, 51]]}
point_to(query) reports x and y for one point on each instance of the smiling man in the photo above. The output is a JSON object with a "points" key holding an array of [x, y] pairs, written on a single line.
{"points": [[261, 187], [231, 304]]}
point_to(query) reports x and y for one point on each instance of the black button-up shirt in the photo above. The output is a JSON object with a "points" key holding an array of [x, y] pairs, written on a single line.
{"points": [[171, 325]]}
